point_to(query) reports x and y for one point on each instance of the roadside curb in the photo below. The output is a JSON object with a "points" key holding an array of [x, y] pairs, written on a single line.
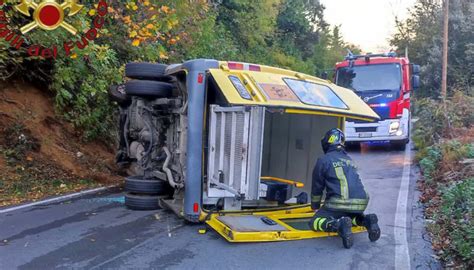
{"points": [[63, 198]]}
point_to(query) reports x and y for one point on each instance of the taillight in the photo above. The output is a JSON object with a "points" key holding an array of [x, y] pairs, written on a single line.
{"points": [[254, 68], [196, 207], [243, 66], [200, 78], [238, 66]]}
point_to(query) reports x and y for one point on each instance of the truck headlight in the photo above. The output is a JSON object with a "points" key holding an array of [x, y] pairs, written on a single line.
{"points": [[394, 126]]}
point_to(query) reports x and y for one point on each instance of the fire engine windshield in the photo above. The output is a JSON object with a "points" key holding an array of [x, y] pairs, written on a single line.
{"points": [[370, 77]]}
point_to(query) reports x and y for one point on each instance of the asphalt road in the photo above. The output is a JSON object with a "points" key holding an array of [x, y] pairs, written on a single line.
{"points": [[98, 232]]}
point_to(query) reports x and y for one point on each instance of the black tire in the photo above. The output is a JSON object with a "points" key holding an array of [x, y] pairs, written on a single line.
{"points": [[117, 94], [149, 89], [147, 71], [399, 145], [136, 184], [142, 202], [353, 146]]}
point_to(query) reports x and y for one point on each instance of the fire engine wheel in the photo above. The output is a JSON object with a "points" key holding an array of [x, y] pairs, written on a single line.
{"points": [[353, 145], [149, 89], [142, 202], [147, 71], [136, 184], [399, 145]]}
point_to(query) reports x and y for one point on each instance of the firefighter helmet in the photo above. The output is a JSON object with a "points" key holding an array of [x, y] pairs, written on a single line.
{"points": [[334, 137]]}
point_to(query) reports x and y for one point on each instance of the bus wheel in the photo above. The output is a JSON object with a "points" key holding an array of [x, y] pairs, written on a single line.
{"points": [[142, 202], [139, 185], [147, 71]]}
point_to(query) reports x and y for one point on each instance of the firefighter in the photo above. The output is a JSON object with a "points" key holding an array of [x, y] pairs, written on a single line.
{"points": [[346, 198]]}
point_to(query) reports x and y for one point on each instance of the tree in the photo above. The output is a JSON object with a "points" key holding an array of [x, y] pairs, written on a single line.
{"points": [[252, 24], [421, 33]]}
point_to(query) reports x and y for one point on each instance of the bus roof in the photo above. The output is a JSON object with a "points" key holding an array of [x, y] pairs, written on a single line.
{"points": [[250, 84]]}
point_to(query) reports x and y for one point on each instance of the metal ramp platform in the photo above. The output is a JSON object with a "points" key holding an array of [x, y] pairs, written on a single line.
{"points": [[267, 226], [252, 223]]}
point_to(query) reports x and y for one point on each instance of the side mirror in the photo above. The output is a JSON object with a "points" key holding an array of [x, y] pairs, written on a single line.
{"points": [[415, 70], [324, 75], [415, 83]]}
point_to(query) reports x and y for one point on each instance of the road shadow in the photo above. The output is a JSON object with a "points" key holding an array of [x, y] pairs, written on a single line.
{"points": [[374, 147]]}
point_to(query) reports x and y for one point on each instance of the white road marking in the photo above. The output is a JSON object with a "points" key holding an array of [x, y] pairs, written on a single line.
{"points": [[56, 199], [402, 254]]}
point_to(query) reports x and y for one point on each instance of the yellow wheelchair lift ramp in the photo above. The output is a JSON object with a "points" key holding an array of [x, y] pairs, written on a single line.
{"points": [[285, 224]]}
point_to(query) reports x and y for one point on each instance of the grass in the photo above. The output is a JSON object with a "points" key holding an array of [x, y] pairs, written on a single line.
{"points": [[445, 154], [25, 175]]}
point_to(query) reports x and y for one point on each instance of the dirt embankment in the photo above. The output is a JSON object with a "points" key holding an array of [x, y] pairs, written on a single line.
{"points": [[42, 155]]}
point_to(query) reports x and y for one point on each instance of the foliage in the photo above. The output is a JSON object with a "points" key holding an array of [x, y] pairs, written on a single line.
{"points": [[10, 61], [81, 87], [444, 138], [448, 193], [430, 161], [204, 37], [421, 33], [285, 33], [454, 223], [436, 121], [439, 158], [19, 142], [252, 22]]}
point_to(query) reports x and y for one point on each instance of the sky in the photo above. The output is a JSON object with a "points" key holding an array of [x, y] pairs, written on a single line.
{"points": [[366, 23]]}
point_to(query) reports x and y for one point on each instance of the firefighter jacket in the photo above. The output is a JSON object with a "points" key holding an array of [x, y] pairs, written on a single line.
{"points": [[336, 173]]}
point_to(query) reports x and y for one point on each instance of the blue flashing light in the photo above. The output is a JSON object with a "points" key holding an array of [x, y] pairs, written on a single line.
{"points": [[392, 54], [351, 57]]}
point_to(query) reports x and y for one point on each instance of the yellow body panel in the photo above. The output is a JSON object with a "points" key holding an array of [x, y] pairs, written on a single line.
{"points": [[270, 236], [255, 81], [267, 88]]}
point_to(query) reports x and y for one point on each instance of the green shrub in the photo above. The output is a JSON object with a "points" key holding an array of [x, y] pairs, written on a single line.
{"points": [[448, 185], [429, 162], [17, 142], [435, 122], [454, 151], [445, 156], [285, 33], [81, 89], [455, 221]]}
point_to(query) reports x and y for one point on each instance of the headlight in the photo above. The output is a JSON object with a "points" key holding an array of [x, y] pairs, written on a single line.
{"points": [[394, 126]]}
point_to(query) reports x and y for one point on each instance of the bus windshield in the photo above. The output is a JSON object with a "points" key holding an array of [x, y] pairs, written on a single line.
{"points": [[370, 77]]}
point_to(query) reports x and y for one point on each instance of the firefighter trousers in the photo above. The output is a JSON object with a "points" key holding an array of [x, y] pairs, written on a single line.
{"points": [[325, 219]]}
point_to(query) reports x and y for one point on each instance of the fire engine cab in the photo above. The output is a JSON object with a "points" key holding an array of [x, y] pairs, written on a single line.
{"points": [[384, 82]]}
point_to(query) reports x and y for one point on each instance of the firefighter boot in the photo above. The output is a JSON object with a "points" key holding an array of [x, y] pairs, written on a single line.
{"points": [[371, 223], [343, 227]]}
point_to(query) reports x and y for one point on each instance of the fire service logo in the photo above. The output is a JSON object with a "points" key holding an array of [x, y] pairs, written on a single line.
{"points": [[49, 15]]}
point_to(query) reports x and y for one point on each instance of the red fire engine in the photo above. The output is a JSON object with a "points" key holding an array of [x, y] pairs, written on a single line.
{"points": [[384, 82]]}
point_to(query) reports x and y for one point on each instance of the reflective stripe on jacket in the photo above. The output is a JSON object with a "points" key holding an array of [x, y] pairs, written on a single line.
{"points": [[336, 173]]}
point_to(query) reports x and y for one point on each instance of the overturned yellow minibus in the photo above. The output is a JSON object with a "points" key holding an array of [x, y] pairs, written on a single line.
{"points": [[229, 144]]}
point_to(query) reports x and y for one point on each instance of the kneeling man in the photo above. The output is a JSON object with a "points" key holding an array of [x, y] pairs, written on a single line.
{"points": [[346, 198]]}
